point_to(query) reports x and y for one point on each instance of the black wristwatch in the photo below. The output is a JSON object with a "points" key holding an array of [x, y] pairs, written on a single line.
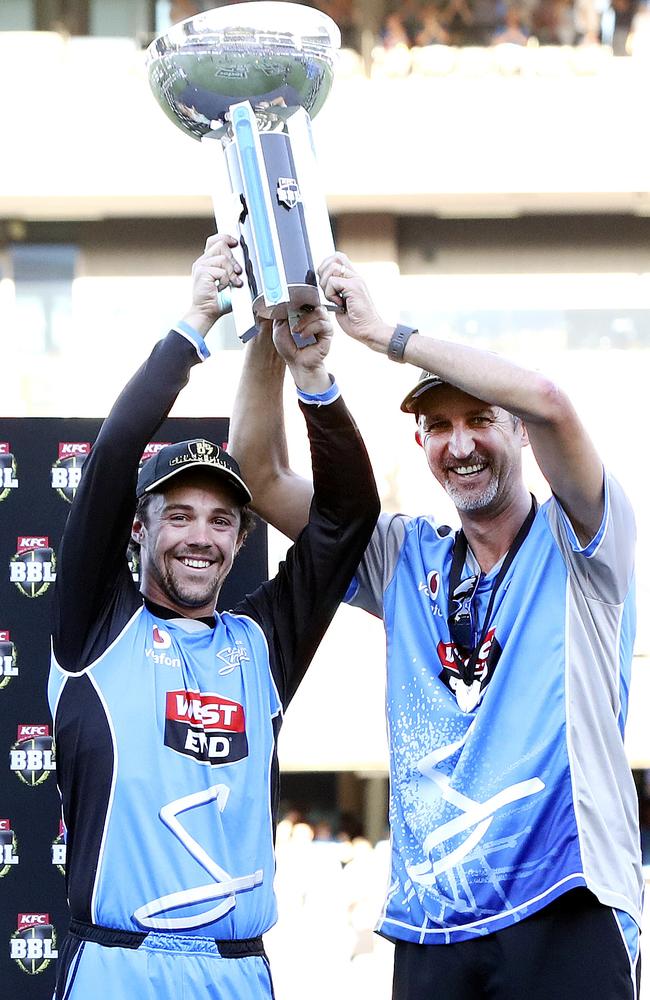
{"points": [[398, 342]]}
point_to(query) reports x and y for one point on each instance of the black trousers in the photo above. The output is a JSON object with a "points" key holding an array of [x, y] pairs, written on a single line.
{"points": [[570, 950]]}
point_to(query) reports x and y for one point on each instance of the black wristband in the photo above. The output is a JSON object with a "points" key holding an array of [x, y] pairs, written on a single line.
{"points": [[398, 342]]}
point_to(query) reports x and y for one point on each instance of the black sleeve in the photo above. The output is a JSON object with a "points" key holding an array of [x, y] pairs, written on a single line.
{"points": [[296, 607], [94, 592]]}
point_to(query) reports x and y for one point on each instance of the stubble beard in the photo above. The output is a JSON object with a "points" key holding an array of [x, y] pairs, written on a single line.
{"points": [[468, 500]]}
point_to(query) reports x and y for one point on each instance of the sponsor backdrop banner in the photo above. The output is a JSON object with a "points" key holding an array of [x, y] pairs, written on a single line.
{"points": [[40, 464]]}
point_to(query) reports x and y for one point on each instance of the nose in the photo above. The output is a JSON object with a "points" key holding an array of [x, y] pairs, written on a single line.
{"points": [[197, 534], [461, 441]]}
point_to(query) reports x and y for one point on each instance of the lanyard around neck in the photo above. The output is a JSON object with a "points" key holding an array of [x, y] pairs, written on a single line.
{"points": [[467, 667]]}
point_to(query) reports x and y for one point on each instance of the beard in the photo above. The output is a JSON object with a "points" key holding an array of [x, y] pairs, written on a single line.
{"points": [[187, 595], [468, 499]]}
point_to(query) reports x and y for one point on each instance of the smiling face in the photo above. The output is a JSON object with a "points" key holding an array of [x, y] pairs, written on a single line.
{"points": [[188, 541], [473, 449]]}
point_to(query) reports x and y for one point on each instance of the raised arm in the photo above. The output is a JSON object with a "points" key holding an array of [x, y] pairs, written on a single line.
{"points": [[258, 441], [563, 450], [92, 557]]}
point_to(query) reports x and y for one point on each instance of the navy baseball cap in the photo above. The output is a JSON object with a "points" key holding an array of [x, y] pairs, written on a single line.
{"points": [[426, 381], [195, 454]]}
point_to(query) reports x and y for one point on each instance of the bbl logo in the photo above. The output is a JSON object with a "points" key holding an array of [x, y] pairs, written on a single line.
{"points": [[33, 943], [8, 470], [8, 658], [32, 755], [66, 471], [58, 849], [32, 568], [8, 848]]}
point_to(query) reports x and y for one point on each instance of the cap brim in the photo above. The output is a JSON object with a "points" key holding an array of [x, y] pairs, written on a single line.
{"points": [[231, 477], [408, 404]]}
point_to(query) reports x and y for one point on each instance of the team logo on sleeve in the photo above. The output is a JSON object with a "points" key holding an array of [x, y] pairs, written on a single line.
{"points": [[33, 567], [8, 470], [33, 943], [8, 658], [205, 726], [8, 848], [31, 757], [66, 471], [59, 849]]}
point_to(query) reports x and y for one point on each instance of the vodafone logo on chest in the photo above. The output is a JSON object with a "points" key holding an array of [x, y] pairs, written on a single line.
{"points": [[205, 726]]}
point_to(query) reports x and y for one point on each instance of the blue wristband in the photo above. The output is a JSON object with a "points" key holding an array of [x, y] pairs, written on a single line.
{"points": [[320, 398]]}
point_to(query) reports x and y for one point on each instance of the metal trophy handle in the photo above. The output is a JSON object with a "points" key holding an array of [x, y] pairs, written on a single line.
{"points": [[246, 80]]}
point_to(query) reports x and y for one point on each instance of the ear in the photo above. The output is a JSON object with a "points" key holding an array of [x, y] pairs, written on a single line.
{"points": [[524, 435], [137, 531]]}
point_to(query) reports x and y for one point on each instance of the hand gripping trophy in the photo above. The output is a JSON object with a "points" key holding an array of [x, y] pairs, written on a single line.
{"points": [[245, 79]]}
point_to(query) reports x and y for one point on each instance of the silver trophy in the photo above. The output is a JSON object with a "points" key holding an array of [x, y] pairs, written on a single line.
{"points": [[246, 80]]}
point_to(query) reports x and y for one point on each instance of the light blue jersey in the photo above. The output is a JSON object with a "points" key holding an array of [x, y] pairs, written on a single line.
{"points": [[508, 794]]}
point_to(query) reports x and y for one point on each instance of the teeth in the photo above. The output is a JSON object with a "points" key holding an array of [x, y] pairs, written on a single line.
{"points": [[196, 563], [466, 470]]}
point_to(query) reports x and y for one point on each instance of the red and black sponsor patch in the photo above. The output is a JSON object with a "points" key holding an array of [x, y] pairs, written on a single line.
{"points": [[205, 726], [487, 659]]}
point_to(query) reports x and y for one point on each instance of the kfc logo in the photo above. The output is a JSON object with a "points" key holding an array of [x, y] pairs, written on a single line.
{"points": [[31, 757], [8, 470], [152, 449], [207, 727], [66, 471], [32, 568], [33, 943]]}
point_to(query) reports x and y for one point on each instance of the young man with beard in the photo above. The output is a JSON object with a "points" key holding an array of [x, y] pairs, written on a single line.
{"points": [[166, 712], [514, 829]]}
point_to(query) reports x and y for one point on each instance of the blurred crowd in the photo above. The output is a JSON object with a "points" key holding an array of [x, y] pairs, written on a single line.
{"points": [[420, 23], [330, 886], [489, 22]]}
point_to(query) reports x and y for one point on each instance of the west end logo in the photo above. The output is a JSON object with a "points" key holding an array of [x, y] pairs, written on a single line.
{"points": [[32, 568], [8, 658], [8, 848], [205, 726], [8, 470], [31, 757], [33, 943], [66, 471]]}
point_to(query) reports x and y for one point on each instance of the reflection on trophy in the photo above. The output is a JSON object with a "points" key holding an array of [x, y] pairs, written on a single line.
{"points": [[245, 79]]}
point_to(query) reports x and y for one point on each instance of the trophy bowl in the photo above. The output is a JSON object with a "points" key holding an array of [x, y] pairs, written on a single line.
{"points": [[271, 54], [246, 80]]}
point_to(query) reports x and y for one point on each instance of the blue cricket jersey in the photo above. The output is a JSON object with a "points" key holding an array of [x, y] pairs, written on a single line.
{"points": [[166, 727], [508, 794]]}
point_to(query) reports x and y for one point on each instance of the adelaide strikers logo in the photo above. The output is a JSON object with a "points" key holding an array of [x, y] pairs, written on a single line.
{"points": [[33, 567], [59, 849], [31, 757], [66, 471], [8, 658], [8, 470], [33, 943], [8, 848], [207, 727]]}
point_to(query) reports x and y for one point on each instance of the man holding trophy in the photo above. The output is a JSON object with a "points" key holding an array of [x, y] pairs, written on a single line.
{"points": [[166, 712]]}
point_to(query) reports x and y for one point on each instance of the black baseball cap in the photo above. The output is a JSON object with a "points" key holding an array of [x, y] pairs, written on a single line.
{"points": [[195, 454], [427, 380]]}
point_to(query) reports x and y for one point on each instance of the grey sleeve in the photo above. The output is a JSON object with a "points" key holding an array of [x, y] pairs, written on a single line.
{"points": [[376, 569], [604, 568]]}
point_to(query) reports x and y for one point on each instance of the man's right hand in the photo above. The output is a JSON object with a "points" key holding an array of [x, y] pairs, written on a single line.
{"points": [[214, 271], [359, 318]]}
